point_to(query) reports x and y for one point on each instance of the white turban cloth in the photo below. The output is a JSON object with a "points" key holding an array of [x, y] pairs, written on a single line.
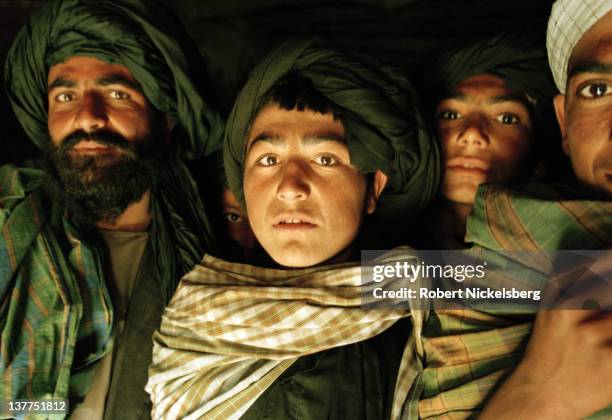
{"points": [[569, 20]]}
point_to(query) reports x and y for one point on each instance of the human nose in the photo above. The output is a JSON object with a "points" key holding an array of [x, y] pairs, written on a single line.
{"points": [[474, 132], [294, 184], [91, 115]]}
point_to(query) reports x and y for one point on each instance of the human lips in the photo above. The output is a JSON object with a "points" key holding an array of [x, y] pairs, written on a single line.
{"points": [[294, 221], [468, 164], [89, 146]]}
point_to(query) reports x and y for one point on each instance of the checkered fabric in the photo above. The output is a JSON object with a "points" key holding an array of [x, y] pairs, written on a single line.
{"points": [[569, 20], [461, 357], [232, 329]]}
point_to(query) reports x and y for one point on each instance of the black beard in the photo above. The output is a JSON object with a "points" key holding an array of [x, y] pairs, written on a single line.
{"points": [[98, 188]]}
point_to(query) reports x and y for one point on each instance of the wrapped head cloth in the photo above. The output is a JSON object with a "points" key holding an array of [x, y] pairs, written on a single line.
{"points": [[147, 39], [383, 125], [569, 20]]}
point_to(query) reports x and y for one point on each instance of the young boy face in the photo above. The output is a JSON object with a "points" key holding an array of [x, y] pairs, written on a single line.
{"points": [[585, 111], [305, 200], [486, 136]]}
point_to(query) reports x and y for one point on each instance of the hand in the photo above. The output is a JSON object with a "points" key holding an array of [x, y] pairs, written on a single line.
{"points": [[567, 368]]}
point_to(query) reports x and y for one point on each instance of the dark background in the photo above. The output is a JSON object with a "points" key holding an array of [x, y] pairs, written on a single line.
{"points": [[233, 35]]}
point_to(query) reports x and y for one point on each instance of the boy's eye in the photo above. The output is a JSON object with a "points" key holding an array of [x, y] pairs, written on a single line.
{"points": [[233, 218], [326, 160], [594, 90], [268, 160], [117, 94], [507, 119], [449, 115]]}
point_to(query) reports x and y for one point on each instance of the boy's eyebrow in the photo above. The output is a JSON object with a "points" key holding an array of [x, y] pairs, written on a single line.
{"points": [[317, 138], [309, 140], [511, 97], [589, 67], [273, 139]]}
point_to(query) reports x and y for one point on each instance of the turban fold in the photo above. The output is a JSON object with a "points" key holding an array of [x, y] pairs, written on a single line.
{"points": [[382, 121], [569, 20], [149, 40]]}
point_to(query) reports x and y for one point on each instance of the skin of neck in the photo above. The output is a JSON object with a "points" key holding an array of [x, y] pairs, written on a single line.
{"points": [[135, 218]]}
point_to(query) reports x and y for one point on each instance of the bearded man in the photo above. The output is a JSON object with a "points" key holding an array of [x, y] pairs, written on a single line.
{"points": [[96, 234]]}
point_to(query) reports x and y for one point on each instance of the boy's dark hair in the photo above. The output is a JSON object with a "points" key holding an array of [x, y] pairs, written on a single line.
{"points": [[296, 92]]}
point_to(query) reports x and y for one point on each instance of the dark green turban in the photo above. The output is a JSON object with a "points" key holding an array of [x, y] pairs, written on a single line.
{"points": [[383, 125], [519, 58], [150, 41]]}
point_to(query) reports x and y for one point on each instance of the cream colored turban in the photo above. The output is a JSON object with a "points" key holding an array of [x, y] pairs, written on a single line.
{"points": [[569, 20]]}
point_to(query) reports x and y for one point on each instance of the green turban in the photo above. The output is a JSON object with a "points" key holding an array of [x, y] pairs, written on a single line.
{"points": [[383, 125], [149, 40], [519, 58]]}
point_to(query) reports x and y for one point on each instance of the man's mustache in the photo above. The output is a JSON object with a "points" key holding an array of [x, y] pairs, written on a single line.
{"points": [[103, 137]]}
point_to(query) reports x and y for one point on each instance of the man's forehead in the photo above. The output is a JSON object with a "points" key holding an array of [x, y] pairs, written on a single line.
{"points": [[593, 53], [82, 67]]}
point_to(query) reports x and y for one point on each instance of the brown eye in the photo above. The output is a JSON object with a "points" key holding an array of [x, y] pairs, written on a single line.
{"points": [[594, 90], [268, 160], [507, 118], [64, 97], [449, 115], [117, 94], [233, 218], [325, 160]]}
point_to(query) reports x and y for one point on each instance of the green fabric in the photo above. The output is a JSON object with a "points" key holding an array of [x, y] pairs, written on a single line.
{"points": [[381, 117], [56, 316], [52, 293], [467, 354], [149, 41], [349, 382]]}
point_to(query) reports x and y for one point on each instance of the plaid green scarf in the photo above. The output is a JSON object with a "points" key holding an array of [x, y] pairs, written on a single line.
{"points": [[232, 329], [53, 295], [462, 356]]}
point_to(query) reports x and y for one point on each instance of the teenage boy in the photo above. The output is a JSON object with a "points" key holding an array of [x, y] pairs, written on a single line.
{"points": [[317, 144]]}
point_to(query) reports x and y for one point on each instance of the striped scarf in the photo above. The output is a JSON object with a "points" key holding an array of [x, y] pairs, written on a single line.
{"points": [[461, 357], [232, 329]]}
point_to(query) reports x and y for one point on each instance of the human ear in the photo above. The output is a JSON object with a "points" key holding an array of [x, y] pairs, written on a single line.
{"points": [[559, 103], [379, 181]]}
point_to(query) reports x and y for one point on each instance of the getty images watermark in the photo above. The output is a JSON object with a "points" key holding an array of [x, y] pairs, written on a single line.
{"points": [[487, 280]]}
